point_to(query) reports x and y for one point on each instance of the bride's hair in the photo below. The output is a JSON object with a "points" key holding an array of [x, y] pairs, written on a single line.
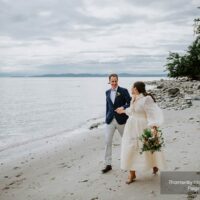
{"points": [[141, 89]]}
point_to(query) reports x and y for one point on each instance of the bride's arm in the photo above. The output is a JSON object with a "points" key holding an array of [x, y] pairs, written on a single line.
{"points": [[128, 111], [153, 112]]}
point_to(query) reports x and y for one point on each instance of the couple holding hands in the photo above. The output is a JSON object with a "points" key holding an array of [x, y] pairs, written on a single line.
{"points": [[130, 116]]}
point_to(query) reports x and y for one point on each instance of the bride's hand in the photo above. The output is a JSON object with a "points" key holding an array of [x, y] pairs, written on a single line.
{"points": [[154, 130], [120, 110], [155, 127]]}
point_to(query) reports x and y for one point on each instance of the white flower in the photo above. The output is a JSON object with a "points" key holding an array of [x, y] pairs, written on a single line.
{"points": [[118, 94]]}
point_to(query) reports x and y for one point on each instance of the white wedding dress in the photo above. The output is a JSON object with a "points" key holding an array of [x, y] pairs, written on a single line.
{"points": [[143, 113]]}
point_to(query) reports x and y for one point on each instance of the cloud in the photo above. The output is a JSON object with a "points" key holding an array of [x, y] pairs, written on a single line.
{"points": [[92, 35]]}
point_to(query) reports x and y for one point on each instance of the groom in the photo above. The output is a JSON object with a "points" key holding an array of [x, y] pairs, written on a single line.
{"points": [[116, 98]]}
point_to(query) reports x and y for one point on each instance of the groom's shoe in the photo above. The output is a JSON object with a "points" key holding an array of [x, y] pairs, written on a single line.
{"points": [[106, 169]]}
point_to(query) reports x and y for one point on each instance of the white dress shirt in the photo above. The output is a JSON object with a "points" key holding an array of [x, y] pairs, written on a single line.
{"points": [[113, 94]]}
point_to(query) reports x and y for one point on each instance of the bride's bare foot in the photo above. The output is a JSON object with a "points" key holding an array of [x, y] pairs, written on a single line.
{"points": [[155, 170], [131, 177]]}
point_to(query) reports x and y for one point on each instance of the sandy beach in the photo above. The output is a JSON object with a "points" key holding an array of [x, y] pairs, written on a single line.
{"points": [[69, 167]]}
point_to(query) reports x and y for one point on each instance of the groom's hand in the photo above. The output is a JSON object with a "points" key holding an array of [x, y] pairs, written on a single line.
{"points": [[120, 110]]}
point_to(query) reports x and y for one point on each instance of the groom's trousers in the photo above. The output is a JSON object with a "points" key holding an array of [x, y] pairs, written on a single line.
{"points": [[110, 130]]}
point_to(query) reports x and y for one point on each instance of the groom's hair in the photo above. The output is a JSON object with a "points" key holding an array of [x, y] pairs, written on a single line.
{"points": [[113, 75]]}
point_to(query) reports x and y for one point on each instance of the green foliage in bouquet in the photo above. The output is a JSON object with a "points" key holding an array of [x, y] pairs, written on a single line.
{"points": [[151, 142]]}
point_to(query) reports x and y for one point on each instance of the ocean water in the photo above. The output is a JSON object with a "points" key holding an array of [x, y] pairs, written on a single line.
{"points": [[35, 108]]}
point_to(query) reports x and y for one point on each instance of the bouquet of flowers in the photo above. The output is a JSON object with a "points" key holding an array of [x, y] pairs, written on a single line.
{"points": [[152, 140]]}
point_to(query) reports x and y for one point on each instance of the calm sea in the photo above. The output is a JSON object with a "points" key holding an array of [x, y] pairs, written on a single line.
{"points": [[34, 108]]}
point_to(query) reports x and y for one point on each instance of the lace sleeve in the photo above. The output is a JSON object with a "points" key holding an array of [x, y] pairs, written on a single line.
{"points": [[153, 112]]}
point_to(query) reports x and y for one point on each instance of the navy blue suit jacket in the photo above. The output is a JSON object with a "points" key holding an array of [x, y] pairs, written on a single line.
{"points": [[122, 99]]}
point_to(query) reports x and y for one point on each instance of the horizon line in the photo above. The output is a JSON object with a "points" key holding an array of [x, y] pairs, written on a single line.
{"points": [[87, 75]]}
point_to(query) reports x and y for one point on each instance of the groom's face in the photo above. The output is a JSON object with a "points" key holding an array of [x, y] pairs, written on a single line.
{"points": [[113, 82]]}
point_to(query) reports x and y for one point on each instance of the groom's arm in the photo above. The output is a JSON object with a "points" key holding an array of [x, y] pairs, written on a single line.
{"points": [[128, 99]]}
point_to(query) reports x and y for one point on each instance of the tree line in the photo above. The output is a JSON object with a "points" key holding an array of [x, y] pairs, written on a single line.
{"points": [[187, 65]]}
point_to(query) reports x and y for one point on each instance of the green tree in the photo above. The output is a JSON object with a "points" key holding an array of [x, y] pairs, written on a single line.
{"points": [[189, 63], [186, 65], [197, 26], [194, 59]]}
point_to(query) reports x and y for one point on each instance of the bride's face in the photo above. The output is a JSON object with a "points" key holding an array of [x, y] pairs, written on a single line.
{"points": [[134, 91]]}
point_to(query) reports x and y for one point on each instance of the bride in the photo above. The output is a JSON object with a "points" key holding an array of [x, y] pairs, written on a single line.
{"points": [[143, 113]]}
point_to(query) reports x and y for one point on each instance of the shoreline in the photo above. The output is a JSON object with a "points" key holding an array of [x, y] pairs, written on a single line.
{"points": [[89, 124]]}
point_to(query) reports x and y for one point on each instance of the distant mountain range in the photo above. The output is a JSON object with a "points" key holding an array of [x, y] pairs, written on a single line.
{"points": [[100, 75], [87, 75]]}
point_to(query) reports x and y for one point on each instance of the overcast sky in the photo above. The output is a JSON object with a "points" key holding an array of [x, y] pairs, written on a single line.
{"points": [[93, 36]]}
